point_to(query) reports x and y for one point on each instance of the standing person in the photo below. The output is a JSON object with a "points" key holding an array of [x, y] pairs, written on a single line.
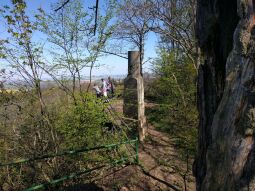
{"points": [[104, 87], [110, 86], [97, 90]]}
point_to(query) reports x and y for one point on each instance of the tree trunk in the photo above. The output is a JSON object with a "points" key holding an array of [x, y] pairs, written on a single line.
{"points": [[226, 95], [141, 50]]}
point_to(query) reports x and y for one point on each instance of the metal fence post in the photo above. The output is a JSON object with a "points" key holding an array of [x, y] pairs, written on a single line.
{"points": [[136, 150]]}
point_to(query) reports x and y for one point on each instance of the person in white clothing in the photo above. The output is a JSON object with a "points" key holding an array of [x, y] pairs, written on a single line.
{"points": [[104, 87]]}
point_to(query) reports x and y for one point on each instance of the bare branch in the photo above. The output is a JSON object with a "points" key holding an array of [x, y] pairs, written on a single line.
{"points": [[96, 14], [115, 54], [62, 6]]}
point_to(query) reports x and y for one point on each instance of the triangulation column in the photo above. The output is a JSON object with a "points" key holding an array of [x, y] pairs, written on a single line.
{"points": [[134, 93]]}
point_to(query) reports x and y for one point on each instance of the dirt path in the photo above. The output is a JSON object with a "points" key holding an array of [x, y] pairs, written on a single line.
{"points": [[161, 167]]}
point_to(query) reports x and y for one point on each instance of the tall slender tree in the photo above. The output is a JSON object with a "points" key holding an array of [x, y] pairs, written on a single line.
{"points": [[174, 22], [19, 50], [76, 47], [134, 23]]}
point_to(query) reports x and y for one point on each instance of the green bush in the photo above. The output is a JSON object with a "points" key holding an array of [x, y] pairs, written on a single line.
{"points": [[80, 125], [64, 126], [173, 92]]}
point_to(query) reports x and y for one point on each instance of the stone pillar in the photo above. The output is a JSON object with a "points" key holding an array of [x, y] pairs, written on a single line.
{"points": [[134, 93]]}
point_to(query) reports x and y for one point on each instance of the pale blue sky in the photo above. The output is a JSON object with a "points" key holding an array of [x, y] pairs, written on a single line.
{"points": [[110, 65]]}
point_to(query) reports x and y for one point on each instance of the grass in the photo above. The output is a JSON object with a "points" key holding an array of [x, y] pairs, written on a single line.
{"points": [[9, 91]]}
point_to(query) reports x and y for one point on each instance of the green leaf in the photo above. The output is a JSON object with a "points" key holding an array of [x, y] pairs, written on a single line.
{"points": [[15, 34], [2, 55]]}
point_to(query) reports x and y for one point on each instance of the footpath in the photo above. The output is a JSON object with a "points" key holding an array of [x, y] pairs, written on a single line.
{"points": [[161, 167]]}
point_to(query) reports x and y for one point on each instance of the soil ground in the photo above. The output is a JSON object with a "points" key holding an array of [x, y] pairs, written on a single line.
{"points": [[161, 167]]}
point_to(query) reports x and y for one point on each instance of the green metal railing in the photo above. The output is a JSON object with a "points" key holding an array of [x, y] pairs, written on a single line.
{"points": [[75, 152], [62, 179], [69, 152], [73, 175]]}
